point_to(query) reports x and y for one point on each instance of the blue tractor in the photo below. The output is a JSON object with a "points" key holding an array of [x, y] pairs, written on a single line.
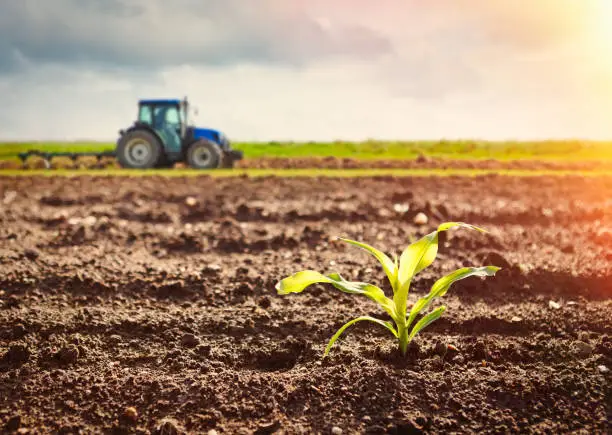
{"points": [[162, 137], [159, 138]]}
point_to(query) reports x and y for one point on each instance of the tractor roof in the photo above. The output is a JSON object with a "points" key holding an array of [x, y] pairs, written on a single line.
{"points": [[168, 102]]}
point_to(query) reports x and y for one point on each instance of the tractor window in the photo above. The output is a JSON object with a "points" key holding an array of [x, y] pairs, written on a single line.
{"points": [[145, 115], [172, 116]]}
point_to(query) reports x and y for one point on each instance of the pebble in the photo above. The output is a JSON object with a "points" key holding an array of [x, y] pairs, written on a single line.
{"points": [[451, 350], [31, 254], [336, 430], [440, 348], [421, 219], [130, 413], [9, 196], [584, 349], [169, 427], [90, 221], [516, 319], [603, 369], [401, 208], [189, 340], [554, 305], [190, 201], [212, 269]]}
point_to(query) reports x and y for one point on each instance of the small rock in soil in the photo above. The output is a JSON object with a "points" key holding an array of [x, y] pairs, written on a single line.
{"points": [[190, 201], [189, 340], [336, 430], [451, 351], [554, 305], [9, 197], [17, 353], [603, 369], [267, 428], [584, 349], [401, 208], [130, 413], [212, 269], [366, 419], [440, 348], [168, 427], [31, 254], [68, 354], [13, 423], [516, 319], [421, 219]]}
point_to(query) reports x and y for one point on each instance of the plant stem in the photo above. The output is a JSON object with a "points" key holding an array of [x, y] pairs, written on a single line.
{"points": [[403, 338]]}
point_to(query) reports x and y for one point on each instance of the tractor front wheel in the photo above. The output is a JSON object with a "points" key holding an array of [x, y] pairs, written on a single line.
{"points": [[139, 149], [204, 154]]}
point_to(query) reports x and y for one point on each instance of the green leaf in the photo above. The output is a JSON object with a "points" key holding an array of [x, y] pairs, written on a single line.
{"points": [[416, 257], [297, 282], [426, 321], [442, 285], [409, 260], [387, 264], [448, 225], [387, 325]]}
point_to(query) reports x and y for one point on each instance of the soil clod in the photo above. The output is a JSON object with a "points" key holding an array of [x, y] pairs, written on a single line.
{"points": [[68, 354], [190, 340], [584, 350], [13, 423], [17, 354]]}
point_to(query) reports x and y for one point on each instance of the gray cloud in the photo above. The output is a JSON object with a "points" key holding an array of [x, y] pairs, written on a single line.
{"points": [[157, 33]]}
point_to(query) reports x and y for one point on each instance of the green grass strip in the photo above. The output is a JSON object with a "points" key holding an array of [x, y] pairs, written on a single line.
{"points": [[372, 149]]}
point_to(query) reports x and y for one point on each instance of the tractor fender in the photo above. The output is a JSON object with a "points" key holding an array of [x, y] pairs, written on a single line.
{"points": [[167, 155], [142, 126]]}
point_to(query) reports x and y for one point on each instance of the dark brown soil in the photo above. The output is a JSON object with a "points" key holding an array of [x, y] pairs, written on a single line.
{"points": [[148, 305]]}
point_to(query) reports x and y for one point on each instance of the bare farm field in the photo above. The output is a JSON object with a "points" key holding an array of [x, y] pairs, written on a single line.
{"points": [[149, 305]]}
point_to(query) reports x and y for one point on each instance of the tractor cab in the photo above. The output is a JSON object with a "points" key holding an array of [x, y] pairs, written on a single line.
{"points": [[164, 114]]}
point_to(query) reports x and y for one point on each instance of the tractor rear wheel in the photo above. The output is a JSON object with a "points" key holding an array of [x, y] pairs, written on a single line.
{"points": [[204, 154], [139, 149]]}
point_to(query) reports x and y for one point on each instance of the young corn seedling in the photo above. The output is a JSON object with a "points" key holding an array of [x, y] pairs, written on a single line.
{"points": [[416, 257]]}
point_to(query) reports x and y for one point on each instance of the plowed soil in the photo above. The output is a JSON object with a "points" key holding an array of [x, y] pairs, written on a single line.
{"points": [[422, 162], [148, 306]]}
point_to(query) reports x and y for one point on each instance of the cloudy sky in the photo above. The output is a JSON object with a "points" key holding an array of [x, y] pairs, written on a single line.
{"points": [[310, 69]]}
